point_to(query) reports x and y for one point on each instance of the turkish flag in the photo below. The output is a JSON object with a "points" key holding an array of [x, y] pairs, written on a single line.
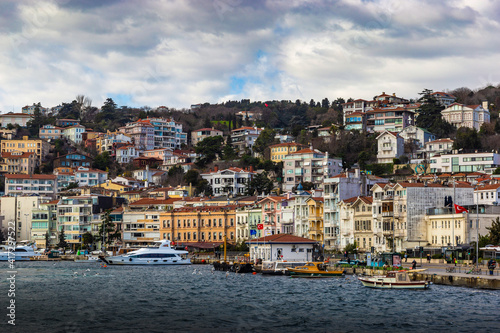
{"points": [[266, 105], [460, 209], [260, 226]]}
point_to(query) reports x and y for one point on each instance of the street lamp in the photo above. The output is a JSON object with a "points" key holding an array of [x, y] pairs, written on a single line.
{"points": [[26, 226]]}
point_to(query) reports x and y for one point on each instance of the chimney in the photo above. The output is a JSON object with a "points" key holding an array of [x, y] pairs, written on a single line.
{"points": [[485, 105], [216, 168], [394, 94], [383, 92]]}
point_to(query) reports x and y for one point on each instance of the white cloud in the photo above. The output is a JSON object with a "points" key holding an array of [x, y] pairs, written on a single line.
{"points": [[177, 52]]}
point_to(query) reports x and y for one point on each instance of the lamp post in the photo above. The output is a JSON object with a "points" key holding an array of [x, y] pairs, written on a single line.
{"points": [[477, 230]]}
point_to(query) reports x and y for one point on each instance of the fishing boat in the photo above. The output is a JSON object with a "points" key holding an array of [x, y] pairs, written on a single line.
{"points": [[313, 270], [279, 267], [161, 254], [393, 280]]}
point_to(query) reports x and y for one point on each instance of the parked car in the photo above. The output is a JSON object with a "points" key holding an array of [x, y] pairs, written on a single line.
{"points": [[354, 262]]}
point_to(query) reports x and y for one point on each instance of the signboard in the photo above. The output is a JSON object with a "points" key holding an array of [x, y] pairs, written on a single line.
{"points": [[260, 226], [253, 232], [368, 259], [267, 232]]}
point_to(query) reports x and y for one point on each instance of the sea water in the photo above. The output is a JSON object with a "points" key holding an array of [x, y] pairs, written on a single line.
{"points": [[74, 297]]}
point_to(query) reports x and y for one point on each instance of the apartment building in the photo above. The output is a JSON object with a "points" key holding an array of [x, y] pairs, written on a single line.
{"points": [[38, 146], [243, 138], [203, 133], [389, 146], [471, 116], [142, 133], [466, 162], [50, 132], [231, 181], [279, 151], [19, 184], [18, 162]]}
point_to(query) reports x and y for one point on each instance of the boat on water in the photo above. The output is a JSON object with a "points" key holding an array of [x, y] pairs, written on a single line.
{"points": [[20, 253], [314, 270], [393, 280], [279, 267], [161, 254]]}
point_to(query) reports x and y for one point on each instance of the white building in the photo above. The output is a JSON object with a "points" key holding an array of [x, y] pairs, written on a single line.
{"points": [[90, 177], [390, 146], [417, 135], [487, 195], [19, 184], [471, 116], [281, 247], [229, 181], [444, 98], [243, 138], [438, 147], [126, 154], [308, 165], [74, 133], [469, 162]]}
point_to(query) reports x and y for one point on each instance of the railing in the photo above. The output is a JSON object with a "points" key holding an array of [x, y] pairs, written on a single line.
{"points": [[387, 214]]}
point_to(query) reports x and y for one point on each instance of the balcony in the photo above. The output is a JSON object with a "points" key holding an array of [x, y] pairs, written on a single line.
{"points": [[387, 214], [388, 197], [387, 148]]}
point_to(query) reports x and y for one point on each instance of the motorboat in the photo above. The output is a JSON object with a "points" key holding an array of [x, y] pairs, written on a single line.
{"points": [[19, 253], [279, 267], [161, 254], [393, 280], [314, 270]]}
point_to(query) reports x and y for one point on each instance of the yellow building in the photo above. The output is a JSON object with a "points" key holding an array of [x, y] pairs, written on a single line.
{"points": [[279, 151], [109, 185], [203, 227], [442, 227], [363, 224], [315, 219], [38, 146], [18, 162]]}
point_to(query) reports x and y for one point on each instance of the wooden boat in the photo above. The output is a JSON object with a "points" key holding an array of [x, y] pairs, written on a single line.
{"points": [[279, 267], [393, 280], [313, 270]]}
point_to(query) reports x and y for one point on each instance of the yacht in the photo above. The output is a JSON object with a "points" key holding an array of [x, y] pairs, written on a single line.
{"points": [[20, 253], [161, 254]]}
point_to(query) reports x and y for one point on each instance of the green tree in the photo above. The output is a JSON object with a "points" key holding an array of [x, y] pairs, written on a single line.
{"points": [[351, 248], [36, 122], [494, 230], [204, 188], [87, 239], [62, 240], [467, 138], [259, 184], [102, 161], [429, 115], [192, 177], [47, 240], [228, 152], [208, 149], [107, 232], [265, 139], [497, 171]]}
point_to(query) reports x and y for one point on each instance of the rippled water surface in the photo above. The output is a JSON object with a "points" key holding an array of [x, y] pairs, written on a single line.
{"points": [[71, 297]]}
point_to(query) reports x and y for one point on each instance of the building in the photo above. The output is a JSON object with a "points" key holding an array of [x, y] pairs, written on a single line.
{"points": [[17, 212], [389, 146], [271, 214], [19, 184], [164, 154], [315, 219], [167, 133], [308, 165], [438, 147], [279, 151], [126, 154], [417, 135], [243, 138], [467, 162], [74, 133], [358, 106], [50, 132], [355, 121], [231, 181], [471, 116], [142, 133], [67, 122], [30, 109], [445, 228], [337, 189], [399, 210], [393, 119], [203, 133], [18, 162], [73, 160], [386, 100], [281, 247], [487, 195], [202, 227], [44, 224], [20, 119], [65, 177], [109, 141], [90, 177], [444, 98], [38, 146]]}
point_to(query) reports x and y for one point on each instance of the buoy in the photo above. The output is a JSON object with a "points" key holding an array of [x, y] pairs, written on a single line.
{"points": [[202, 261], [254, 273]]}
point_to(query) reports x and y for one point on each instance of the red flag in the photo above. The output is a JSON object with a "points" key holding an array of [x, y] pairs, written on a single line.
{"points": [[266, 105], [260, 226], [460, 209]]}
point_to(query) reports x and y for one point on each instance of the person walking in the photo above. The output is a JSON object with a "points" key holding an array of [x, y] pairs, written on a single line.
{"points": [[491, 265], [428, 258], [413, 264], [406, 257]]}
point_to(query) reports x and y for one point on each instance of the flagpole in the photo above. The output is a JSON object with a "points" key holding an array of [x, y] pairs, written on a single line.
{"points": [[453, 216]]}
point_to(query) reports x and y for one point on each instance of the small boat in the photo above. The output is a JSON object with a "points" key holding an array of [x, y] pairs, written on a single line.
{"points": [[19, 253], [279, 267], [313, 270], [393, 280], [161, 254]]}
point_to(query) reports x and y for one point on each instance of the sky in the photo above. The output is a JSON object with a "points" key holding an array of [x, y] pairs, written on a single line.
{"points": [[181, 52]]}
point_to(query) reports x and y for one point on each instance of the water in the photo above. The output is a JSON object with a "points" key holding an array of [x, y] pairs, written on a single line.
{"points": [[51, 298]]}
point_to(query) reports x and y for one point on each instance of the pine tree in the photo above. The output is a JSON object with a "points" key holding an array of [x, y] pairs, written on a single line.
{"points": [[62, 239]]}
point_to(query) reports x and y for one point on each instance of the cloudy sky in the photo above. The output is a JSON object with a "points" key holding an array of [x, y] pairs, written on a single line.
{"points": [[181, 52]]}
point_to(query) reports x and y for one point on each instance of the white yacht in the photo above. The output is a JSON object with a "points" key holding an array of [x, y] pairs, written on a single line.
{"points": [[161, 254], [20, 253]]}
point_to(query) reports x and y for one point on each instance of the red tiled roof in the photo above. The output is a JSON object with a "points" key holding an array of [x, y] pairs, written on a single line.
{"points": [[149, 201], [282, 238], [19, 176], [14, 156], [489, 187], [287, 144]]}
